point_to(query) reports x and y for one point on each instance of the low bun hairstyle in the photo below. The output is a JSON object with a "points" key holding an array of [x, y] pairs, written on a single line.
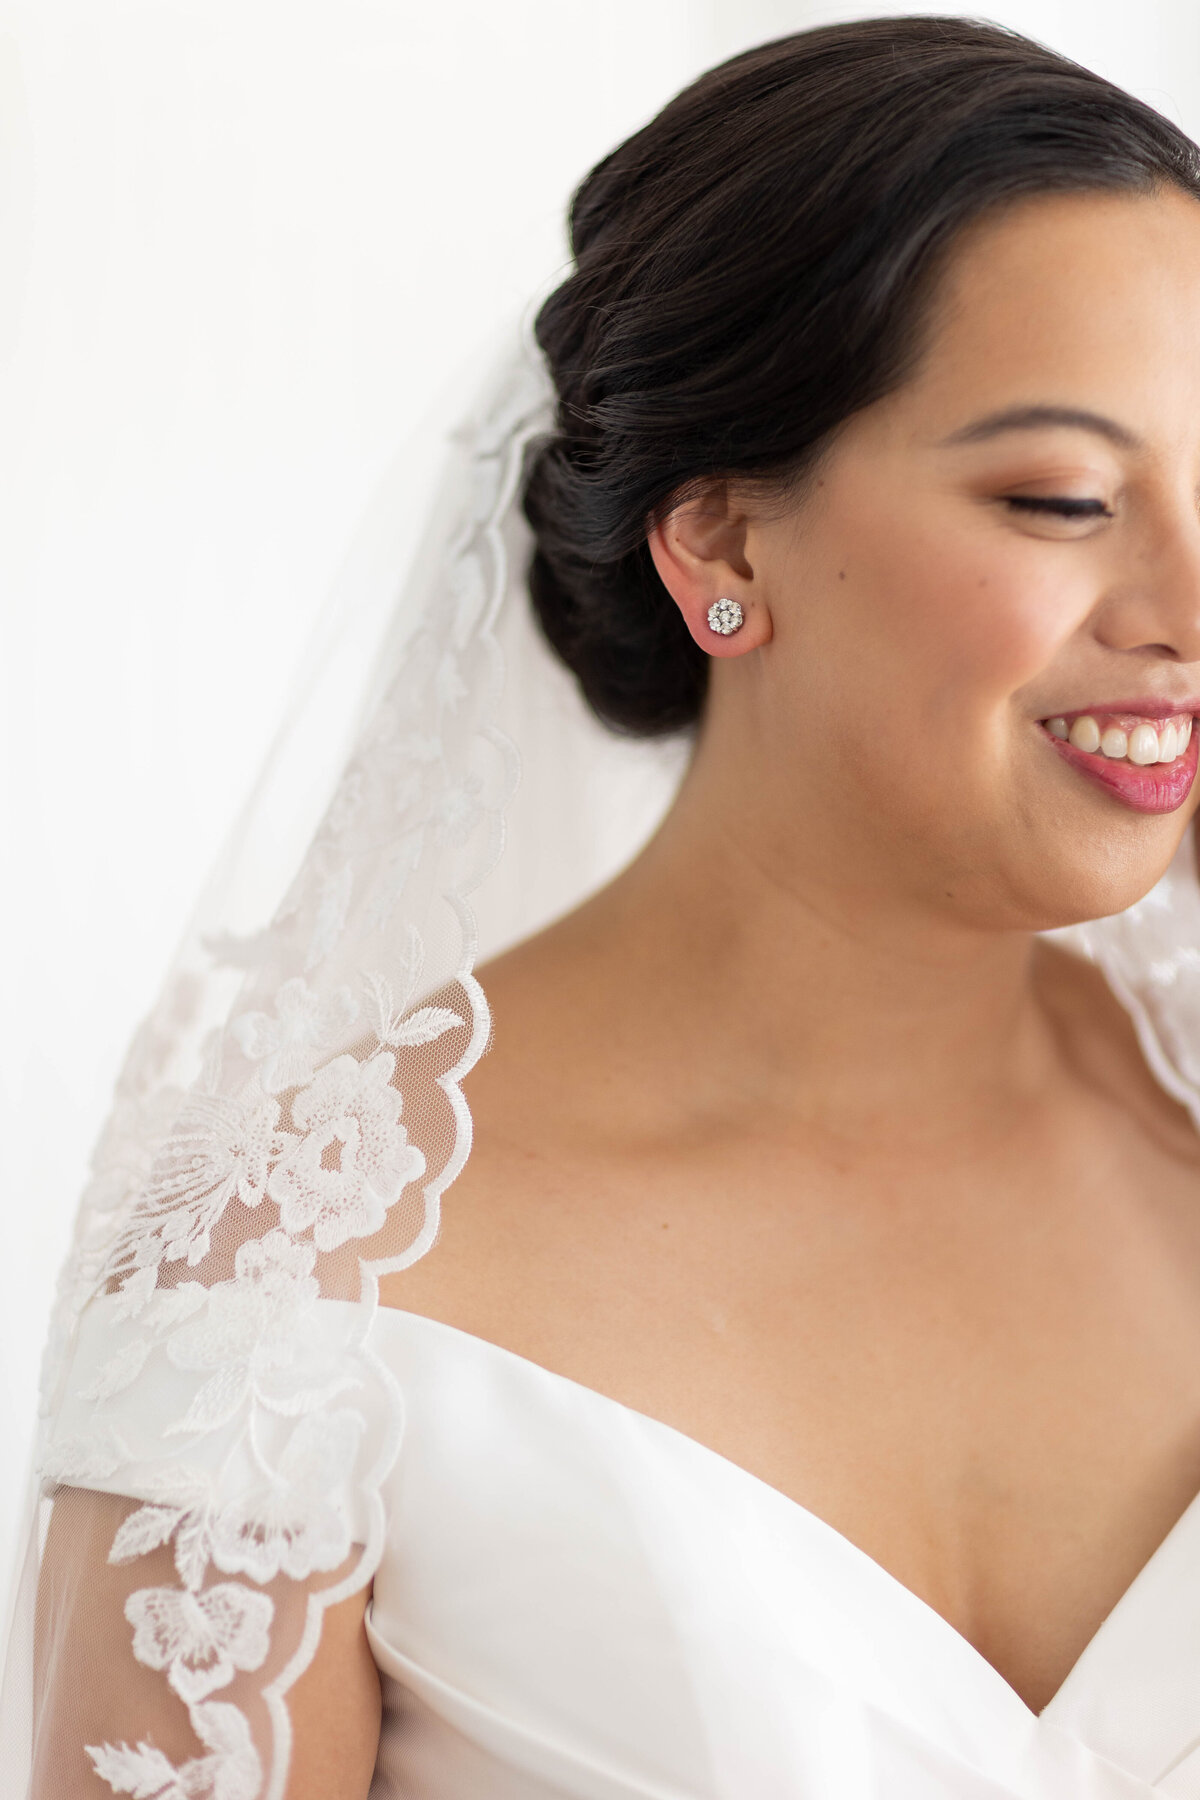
{"points": [[753, 267]]}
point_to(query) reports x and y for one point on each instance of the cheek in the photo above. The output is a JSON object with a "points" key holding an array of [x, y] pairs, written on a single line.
{"points": [[957, 621]]}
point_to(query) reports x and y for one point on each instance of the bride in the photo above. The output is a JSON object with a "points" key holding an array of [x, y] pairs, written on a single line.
{"points": [[804, 1397]]}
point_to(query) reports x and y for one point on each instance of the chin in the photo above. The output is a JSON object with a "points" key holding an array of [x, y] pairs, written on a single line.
{"points": [[1093, 878]]}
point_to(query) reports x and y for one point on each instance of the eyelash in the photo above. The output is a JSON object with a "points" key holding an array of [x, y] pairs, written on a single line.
{"points": [[1064, 508]]}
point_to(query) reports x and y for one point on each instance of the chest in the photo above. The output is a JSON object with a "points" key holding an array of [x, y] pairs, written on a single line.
{"points": [[617, 1592], [984, 1374]]}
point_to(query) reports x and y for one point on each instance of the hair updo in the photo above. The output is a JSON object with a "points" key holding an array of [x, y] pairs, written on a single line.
{"points": [[751, 268]]}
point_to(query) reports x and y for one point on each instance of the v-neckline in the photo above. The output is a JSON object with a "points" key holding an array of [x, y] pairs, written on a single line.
{"points": [[1062, 1701]]}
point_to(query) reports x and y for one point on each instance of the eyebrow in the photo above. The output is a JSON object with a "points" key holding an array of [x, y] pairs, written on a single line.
{"points": [[1037, 418]]}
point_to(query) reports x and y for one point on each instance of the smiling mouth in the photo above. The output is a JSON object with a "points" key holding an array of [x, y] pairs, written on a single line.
{"points": [[1146, 761]]}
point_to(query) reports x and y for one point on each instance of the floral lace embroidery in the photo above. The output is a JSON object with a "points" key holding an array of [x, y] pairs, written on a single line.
{"points": [[200, 1639], [352, 1106], [292, 1118]]}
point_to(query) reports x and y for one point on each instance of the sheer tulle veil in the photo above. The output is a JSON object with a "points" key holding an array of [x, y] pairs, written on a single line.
{"points": [[215, 1425]]}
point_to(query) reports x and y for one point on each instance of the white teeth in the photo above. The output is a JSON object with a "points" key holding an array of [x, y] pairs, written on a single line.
{"points": [[1142, 745]]}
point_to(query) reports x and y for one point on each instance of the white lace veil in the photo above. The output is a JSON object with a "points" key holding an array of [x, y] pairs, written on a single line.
{"points": [[216, 1427]]}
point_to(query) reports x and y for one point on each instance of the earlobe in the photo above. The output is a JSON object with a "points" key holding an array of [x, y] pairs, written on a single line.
{"points": [[708, 580]]}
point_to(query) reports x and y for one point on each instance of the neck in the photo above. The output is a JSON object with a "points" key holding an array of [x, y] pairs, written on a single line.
{"points": [[804, 984]]}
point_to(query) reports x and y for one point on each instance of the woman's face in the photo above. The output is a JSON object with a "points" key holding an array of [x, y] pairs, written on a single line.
{"points": [[1002, 557]]}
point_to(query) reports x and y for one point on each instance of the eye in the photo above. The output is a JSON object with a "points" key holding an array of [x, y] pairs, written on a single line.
{"points": [[1061, 506]]}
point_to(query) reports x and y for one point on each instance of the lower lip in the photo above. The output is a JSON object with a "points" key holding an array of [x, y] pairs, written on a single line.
{"points": [[1156, 788]]}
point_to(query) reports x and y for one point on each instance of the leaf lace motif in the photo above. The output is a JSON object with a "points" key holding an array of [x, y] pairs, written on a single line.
{"points": [[231, 1771]]}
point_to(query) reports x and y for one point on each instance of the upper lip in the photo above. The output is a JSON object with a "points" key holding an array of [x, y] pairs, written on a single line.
{"points": [[1144, 708]]}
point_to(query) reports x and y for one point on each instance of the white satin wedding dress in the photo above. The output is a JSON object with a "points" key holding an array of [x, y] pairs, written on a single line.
{"points": [[577, 1602], [570, 1599]]}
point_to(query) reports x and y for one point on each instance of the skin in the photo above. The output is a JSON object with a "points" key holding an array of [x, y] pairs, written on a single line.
{"points": [[795, 1137]]}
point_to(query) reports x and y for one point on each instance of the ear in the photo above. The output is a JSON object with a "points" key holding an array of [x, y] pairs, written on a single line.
{"points": [[699, 550]]}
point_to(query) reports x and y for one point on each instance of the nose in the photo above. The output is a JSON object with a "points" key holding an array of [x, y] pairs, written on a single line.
{"points": [[1154, 605]]}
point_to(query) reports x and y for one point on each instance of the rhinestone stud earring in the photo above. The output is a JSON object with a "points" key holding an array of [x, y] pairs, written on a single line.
{"points": [[726, 617]]}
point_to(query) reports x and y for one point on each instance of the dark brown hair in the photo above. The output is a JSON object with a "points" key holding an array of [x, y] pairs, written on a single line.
{"points": [[753, 267]]}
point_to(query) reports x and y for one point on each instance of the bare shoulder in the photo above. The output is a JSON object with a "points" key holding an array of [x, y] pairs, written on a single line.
{"points": [[516, 1221]]}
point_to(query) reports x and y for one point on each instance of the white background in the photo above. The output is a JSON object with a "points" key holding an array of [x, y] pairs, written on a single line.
{"points": [[242, 245]]}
